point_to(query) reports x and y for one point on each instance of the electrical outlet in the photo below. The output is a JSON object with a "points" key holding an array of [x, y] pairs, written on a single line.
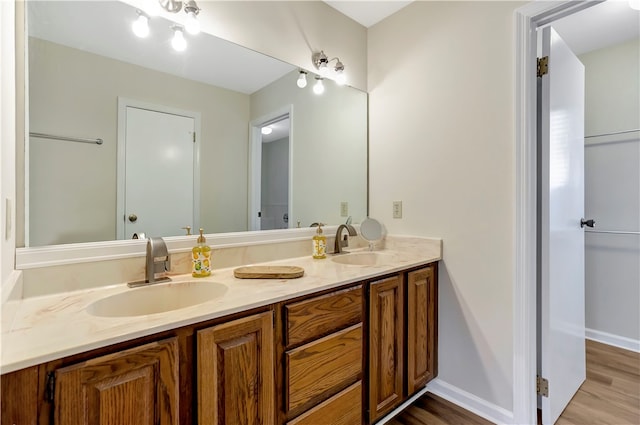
{"points": [[344, 209], [397, 209]]}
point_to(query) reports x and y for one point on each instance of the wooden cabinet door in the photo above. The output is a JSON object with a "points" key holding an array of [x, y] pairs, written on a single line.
{"points": [[386, 324], [422, 328], [138, 386], [236, 372]]}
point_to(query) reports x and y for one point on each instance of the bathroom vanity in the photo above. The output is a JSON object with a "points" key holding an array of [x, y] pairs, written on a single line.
{"points": [[345, 344]]}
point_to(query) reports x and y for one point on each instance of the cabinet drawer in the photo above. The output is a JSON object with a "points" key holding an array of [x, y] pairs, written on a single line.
{"points": [[344, 408], [319, 316], [320, 368]]}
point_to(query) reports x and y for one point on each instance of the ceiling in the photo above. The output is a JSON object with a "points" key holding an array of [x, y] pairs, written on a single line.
{"points": [[599, 26], [367, 13], [104, 28]]}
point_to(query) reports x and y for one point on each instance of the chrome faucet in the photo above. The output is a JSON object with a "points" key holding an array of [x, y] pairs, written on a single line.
{"points": [[339, 241], [157, 261]]}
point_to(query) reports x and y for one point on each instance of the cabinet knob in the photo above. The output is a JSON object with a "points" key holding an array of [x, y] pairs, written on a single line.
{"points": [[133, 218]]}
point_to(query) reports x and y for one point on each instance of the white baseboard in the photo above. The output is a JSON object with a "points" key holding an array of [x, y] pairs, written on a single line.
{"points": [[611, 339], [470, 402]]}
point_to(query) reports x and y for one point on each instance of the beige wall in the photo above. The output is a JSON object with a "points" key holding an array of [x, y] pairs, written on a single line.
{"points": [[73, 185], [441, 93], [329, 147], [612, 190]]}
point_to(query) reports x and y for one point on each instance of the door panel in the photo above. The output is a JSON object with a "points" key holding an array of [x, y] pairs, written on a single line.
{"points": [[136, 386], [386, 346], [159, 173], [562, 346], [235, 372]]}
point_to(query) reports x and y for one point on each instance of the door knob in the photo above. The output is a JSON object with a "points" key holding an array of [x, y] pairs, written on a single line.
{"points": [[133, 218], [588, 223]]}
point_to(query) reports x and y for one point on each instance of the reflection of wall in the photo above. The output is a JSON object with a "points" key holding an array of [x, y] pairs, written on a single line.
{"points": [[324, 155], [441, 91], [275, 184], [81, 100], [612, 190]]}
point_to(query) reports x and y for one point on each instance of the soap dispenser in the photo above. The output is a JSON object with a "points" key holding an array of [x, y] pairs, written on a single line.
{"points": [[201, 257], [319, 244]]}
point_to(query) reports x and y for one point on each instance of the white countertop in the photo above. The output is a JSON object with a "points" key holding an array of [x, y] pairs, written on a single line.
{"points": [[40, 329]]}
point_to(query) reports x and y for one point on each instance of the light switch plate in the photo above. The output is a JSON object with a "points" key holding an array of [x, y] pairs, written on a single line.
{"points": [[397, 209], [344, 209]]}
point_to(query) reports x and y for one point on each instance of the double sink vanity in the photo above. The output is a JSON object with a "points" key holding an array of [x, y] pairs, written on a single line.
{"points": [[346, 343]]}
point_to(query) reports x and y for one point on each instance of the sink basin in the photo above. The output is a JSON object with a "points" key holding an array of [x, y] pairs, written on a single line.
{"points": [[364, 259], [157, 298]]}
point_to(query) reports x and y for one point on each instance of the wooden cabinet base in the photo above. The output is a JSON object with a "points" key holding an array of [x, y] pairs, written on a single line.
{"points": [[235, 372], [136, 386], [345, 408]]}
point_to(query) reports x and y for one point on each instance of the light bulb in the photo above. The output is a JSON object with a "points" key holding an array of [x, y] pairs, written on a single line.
{"points": [[323, 69], [178, 41], [140, 26], [191, 24], [318, 87], [634, 4], [302, 80], [341, 79], [266, 130]]}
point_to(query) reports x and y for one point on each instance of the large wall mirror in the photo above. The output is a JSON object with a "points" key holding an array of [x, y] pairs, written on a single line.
{"points": [[181, 141]]}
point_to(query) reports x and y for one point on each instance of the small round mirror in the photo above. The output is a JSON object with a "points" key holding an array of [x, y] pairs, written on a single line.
{"points": [[371, 229]]}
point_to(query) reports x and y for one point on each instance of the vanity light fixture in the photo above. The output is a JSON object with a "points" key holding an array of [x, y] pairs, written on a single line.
{"points": [[318, 87], [302, 79], [178, 41], [266, 130], [321, 62], [140, 26]]}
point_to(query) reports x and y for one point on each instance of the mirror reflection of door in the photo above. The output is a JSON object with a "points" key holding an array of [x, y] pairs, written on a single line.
{"points": [[274, 188], [159, 162]]}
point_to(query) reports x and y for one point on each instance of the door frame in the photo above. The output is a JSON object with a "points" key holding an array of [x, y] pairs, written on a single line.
{"points": [[527, 19], [123, 104], [255, 164]]}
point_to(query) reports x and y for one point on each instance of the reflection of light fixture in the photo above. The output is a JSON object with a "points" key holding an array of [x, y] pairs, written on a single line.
{"points": [[178, 42], [634, 4], [140, 26], [341, 78], [266, 130], [153, 7], [192, 25], [318, 87], [321, 62], [302, 79]]}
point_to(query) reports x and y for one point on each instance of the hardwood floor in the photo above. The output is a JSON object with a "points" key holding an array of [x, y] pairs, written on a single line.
{"points": [[611, 393], [433, 410], [609, 396]]}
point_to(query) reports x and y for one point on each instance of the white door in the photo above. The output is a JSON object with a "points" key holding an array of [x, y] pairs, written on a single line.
{"points": [[159, 173], [561, 180]]}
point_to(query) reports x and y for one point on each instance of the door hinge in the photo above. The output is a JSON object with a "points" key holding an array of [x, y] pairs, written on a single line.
{"points": [[49, 392], [543, 66], [542, 386], [194, 137]]}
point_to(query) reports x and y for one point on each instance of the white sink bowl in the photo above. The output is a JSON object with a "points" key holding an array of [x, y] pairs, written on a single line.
{"points": [[368, 258], [157, 298]]}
